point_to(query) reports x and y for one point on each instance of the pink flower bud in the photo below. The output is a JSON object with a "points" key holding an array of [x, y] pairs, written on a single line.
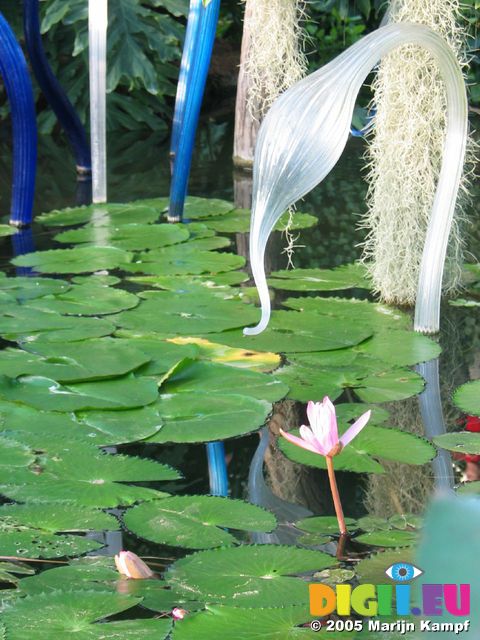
{"points": [[179, 614], [131, 566]]}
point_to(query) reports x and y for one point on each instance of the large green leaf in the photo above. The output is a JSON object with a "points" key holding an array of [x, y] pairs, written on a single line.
{"points": [[163, 354], [55, 517], [205, 417], [14, 454], [44, 393], [185, 260], [467, 397], [293, 332], [76, 614], [88, 299], [392, 538], [32, 543], [196, 522], [131, 237], [78, 260], [248, 576], [22, 323], [287, 623], [188, 314], [371, 444], [29, 288], [345, 277], [72, 361], [238, 221], [209, 377], [101, 214], [400, 348], [460, 442]]}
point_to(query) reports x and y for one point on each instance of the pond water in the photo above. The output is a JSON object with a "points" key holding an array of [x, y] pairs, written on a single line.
{"points": [[139, 169]]}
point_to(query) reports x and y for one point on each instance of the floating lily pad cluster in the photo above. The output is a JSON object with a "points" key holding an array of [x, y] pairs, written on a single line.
{"points": [[140, 340]]}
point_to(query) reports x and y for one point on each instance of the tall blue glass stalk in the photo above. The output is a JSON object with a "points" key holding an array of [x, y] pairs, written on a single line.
{"points": [[14, 71], [196, 65], [53, 90], [217, 469]]}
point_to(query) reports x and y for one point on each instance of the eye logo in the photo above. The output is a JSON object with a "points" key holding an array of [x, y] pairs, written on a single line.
{"points": [[403, 572]]}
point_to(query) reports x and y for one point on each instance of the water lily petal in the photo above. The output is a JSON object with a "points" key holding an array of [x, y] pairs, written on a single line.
{"points": [[300, 442], [355, 429], [307, 435]]}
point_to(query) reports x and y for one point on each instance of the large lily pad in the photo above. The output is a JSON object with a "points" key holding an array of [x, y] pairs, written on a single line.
{"points": [[345, 277], [88, 299], [78, 260], [56, 616], [362, 453], [55, 517], [101, 214], [238, 221], [182, 260], [131, 237], [28, 543], [163, 354], [25, 324], [206, 417], [29, 288], [72, 361], [209, 377], [176, 314], [248, 576], [460, 442], [286, 623], [293, 332], [181, 283], [44, 393], [467, 398], [196, 208], [196, 522], [14, 454]]}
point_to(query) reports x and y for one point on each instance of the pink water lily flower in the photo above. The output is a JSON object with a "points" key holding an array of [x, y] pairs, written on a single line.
{"points": [[322, 435]]}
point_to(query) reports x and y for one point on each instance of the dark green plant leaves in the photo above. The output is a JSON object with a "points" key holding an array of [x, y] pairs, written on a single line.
{"points": [[78, 260], [196, 522], [55, 517], [467, 398], [248, 576], [460, 442], [345, 277], [101, 215]]}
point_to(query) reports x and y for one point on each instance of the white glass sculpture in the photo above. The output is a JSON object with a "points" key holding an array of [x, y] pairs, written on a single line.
{"points": [[305, 132], [97, 34]]}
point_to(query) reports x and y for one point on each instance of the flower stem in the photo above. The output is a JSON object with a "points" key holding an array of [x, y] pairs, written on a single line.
{"points": [[335, 495]]}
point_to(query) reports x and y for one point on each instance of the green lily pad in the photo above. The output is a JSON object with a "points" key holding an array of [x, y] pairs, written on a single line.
{"points": [[248, 576], [378, 317], [460, 442], [78, 260], [89, 299], [9, 572], [183, 261], [400, 348], [14, 454], [345, 277], [323, 524], [196, 208], [72, 361], [44, 393], [196, 522], [210, 377], [245, 624], [467, 398], [176, 314], [206, 417], [348, 411], [120, 427], [361, 454], [99, 214], [90, 480], [163, 354], [7, 230], [238, 221], [25, 324], [293, 332], [131, 237], [181, 283], [392, 538], [29, 288], [372, 570], [56, 616], [55, 517], [32, 543], [306, 383], [389, 386]]}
